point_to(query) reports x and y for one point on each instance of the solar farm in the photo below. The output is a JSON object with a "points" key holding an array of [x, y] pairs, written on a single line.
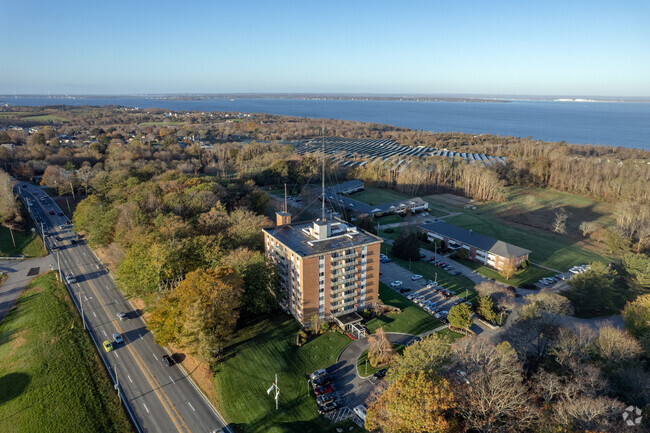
{"points": [[349, 152]]}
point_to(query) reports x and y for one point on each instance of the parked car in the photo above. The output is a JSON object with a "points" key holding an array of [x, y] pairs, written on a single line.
{"points": [[454, 272], [396, 283], [316, 374], [360, 411], [327, 407], [381, 373], [168, 360], [416, 277], [117, 337], [404, 290], [411, 295], [320, 381], [325, 389], [325, 398]]}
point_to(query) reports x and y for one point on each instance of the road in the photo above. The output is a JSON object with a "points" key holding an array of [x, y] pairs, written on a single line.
{"points": [[160, 398]]}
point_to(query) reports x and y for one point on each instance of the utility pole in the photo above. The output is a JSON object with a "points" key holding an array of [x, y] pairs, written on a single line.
{"points": [[58, 261], [81, 305], [117, 384]]}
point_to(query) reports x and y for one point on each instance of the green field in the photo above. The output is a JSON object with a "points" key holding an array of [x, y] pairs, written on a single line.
{"points": [[548, 249], [412, 320], [530, 275], [51, 377], [260, 350], [365, 369], [374, 196], [27, 242], [163, 123], [45, 118], [388, 219], [451, 334]]}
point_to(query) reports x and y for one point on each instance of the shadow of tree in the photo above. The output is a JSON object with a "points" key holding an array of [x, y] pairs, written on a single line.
{"points": [[12, 385]]}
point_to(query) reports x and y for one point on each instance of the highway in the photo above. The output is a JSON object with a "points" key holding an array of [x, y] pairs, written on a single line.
{"points": [[160, 398]]}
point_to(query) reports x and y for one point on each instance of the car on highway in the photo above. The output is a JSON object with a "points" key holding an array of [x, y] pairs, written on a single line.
{"points": [[73, 242], [118, 338], [396, 284], [325, 398], [51, 212], [325, 389], [328, 407], [168, 360], [70, 279], [416, 277], [121, 315], [108, 346]]}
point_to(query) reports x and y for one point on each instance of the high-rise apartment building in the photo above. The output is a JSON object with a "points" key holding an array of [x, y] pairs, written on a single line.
{"points": [[327, 266]]}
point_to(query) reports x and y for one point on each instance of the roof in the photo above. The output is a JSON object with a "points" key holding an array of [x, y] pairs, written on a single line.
{"points": [[297, 238], [342, 187], [349, 318], [477, 240]]}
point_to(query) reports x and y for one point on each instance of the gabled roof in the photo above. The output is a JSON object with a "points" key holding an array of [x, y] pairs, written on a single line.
{"points": [[477, 240]]}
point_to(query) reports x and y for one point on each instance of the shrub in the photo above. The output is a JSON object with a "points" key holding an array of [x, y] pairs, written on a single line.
{"points": [[524, 264]]}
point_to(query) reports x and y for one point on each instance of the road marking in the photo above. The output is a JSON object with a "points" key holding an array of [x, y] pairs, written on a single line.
{"points": [[140, 335], [94, 314], [160, 393], [84, 253], [115, 300], [145, 407], [170, 378], [116, 354], [154, 356], [104, 333], [191, 406], [129, 378]]}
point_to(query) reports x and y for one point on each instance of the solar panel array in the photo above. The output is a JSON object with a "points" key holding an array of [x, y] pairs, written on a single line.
{"points": [[357, 152]]}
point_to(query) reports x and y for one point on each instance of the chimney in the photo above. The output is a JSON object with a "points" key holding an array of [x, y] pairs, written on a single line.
{"points": [[282, 218]]}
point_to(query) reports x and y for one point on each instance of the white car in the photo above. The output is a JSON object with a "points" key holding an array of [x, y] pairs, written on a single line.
{"points": [[416, 277], [70, 279], [411, 295], [418, 298], [432, 285], [396, 283], [117, 337], [360, 411]]}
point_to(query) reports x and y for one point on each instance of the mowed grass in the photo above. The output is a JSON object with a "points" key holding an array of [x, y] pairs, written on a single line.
{"points": [[51, 377], [451, 334], [373, 196], [456, 283], [548, 249], [163, 123], [411, 320], [530, 275], [260, 350], [365, 369], [388, 219], [27, 242], [45, 118]]}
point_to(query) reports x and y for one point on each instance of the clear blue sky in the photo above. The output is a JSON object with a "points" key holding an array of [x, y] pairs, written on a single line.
{"points": [[569, 47]]}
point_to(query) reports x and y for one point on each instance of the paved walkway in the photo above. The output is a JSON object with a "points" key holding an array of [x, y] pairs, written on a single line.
{"points": [[19, 273]]}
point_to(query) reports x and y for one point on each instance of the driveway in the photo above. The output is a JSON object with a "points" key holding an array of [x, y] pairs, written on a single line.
{"points": [[19, 273]]}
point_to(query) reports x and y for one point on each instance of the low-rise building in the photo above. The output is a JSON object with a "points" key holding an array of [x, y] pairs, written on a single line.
{"points": [[327, 267], [481, 248]]}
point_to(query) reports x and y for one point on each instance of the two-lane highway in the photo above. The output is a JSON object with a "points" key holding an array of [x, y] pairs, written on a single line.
{"points": [[161, 397]]}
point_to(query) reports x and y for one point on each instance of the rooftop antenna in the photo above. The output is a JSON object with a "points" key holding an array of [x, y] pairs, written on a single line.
{"points": [[285, 198], [323, 181]]}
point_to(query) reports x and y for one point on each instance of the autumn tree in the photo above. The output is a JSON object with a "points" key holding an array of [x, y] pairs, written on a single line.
{"points": [[588, 227], [509, 269], [559, 224], [636, 316], [380, 351], [415, 402], [10, 215], [616, 346], [205, 311], [430, 353]]}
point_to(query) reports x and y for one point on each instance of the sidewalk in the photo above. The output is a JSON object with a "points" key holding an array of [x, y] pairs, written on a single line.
{"points": [[19, 273]]}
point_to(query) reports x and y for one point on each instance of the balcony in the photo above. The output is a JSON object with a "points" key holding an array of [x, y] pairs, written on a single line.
{"points": [[338, 305], [350, 279], [342, 272], [345, 256], [343, 263]]}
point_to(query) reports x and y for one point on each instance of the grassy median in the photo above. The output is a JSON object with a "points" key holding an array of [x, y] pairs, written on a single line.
{"points": [[51, 377]]}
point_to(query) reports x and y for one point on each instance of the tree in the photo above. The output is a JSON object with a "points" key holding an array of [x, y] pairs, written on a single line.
{"points": [[637, 267], [593, 292], [636, 316], [10, 215], [615, 241], [206, 311], [407, 245], [315, 324], [559, 225], [588, 227], [415, 402], [541, 304], [509, 269], [380, 351], [460, 316], [616, 346], [428, 354], [486, 308], [86, 173], [462, 254], [56, 177]]}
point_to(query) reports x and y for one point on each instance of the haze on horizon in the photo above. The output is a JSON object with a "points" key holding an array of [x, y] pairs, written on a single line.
{"points": [[423, 48]]}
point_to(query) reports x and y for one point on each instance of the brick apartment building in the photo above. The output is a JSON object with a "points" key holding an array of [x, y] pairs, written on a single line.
{"points": [[327, 267], [481, 248]]}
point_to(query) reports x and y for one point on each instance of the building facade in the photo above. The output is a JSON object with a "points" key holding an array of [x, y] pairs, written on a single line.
{"points": [[480, 248], [327, 267]]}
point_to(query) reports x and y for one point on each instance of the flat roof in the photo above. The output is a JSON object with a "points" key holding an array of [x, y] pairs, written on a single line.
{"points": [[478, 240], [294, 237], [349, 318]]}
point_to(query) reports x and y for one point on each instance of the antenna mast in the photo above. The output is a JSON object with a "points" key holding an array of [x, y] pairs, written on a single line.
{"points": [[323, 181], [285, 197]]}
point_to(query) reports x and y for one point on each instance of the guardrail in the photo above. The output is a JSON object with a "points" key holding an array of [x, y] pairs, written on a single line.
{"points": [[21, 257]]}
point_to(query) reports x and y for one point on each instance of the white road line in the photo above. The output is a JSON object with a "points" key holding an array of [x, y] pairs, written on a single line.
{"points": [[191, 406], [115, 300], [145, 407], [154, 356], [116, 354], [170, 378], [84, 254], [129, 378], [104, 333], [94, 314], [140, 335]]}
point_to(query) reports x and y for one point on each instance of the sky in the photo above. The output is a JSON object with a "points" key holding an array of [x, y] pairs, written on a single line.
{"points": [[576, 47]]}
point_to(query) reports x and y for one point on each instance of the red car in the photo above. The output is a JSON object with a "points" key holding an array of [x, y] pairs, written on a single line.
{"points": [[51, 212], [325, 389]]}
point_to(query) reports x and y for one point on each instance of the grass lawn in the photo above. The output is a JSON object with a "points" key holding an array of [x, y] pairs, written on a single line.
{"points": [[163, 123], [27, 242], [457, 284], [388, 219], [530, 275], [412, 320], [51, 377], [548, 249], [45, 118], [366, 370], [451, 334], [373, 196], [263, 348]]}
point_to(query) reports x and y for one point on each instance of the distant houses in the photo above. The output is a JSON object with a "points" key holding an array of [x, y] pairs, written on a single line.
{"points": [[480, 248]]}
